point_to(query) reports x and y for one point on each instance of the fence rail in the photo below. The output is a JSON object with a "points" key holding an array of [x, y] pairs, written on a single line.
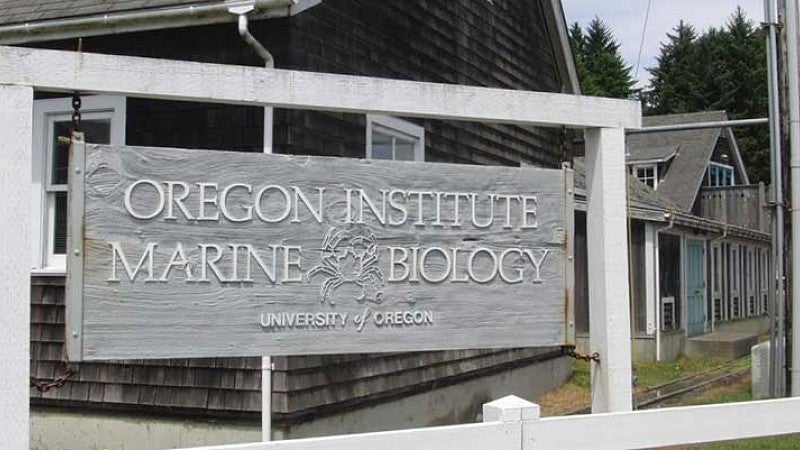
{"points": [[511, 423]]}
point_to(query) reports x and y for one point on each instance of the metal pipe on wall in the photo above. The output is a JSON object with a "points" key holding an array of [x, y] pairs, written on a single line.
{"points": [[269, 63], [699, 125], [793, 92], [777, 291], [130, 21]]}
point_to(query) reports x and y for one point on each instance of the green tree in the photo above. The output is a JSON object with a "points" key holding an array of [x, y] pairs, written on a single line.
{"points": [[724, 68], [673, 81], [601, 70]]}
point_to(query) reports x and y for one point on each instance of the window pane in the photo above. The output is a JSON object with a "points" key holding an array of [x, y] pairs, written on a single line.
{"points": [[403, 150], [95, 131], [381, 145], [60, 221], [60, 155]]}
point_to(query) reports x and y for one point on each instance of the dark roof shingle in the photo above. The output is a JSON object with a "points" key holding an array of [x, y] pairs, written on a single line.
{"points": [[22, 11], [694, 149]]}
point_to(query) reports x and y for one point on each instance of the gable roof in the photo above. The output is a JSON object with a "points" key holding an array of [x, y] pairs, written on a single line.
{"points": [[692, 152]]}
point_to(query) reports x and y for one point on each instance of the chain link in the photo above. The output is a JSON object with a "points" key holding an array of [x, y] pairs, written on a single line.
{"points": [[76, 111], [570, 351], [43, 385]]}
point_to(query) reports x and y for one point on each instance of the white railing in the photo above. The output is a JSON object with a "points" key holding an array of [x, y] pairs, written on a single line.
{"points": [[512, 423]]}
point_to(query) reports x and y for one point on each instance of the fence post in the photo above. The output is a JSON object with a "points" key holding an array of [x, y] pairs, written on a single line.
{"points": [[510, 409], [607, 253], [16, 121]]}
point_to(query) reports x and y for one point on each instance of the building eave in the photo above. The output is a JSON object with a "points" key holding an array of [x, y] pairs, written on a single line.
{"points": [[559, 42], [196, 14]]}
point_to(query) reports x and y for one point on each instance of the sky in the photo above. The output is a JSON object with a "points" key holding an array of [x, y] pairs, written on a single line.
{"points": [[626, 20]]}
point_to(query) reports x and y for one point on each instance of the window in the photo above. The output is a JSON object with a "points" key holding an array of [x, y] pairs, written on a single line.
{"points": [[396, 139], [720, 174], [103, 122], [647, 174]]}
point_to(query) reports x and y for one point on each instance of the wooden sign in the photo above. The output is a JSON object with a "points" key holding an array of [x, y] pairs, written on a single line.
{"points": [[186, 253]]}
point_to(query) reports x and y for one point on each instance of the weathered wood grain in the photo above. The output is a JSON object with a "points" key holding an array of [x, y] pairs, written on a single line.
{"points": [[218, 83], [176, 318]]}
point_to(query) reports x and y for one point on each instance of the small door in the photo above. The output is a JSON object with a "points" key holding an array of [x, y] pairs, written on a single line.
{"points": [[717, 284], [695, 288]]}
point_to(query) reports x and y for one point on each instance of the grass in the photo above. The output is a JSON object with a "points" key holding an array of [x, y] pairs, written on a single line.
{"points": [[657, 373], [575, 393], [738, 391]]}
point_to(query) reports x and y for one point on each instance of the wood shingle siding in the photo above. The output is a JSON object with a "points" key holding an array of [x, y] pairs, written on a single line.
{"points": [[301, 384], [503, 43]]}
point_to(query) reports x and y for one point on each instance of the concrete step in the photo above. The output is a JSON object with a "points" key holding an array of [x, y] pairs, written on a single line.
{"points": [[721, 344]]}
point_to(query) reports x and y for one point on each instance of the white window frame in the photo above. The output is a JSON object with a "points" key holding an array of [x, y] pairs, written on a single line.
{"points": [[45, 113], [721, 166], [636, 169], [398, 128]]}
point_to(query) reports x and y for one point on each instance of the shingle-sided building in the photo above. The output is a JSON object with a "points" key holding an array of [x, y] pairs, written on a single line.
{"points": [[699, 242], [515, 44]]}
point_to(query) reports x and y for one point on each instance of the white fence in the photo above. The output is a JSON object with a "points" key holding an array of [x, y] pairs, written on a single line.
{"points": [[511, 423]]}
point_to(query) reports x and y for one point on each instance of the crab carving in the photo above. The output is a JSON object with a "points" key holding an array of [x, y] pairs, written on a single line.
{"points": [[349, 257]]}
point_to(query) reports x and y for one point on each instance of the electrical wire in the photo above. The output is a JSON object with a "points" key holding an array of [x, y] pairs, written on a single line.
{"points": [[641, 41]]}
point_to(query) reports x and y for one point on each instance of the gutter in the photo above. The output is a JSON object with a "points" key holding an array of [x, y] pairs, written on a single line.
{"points": [[142, 20]]}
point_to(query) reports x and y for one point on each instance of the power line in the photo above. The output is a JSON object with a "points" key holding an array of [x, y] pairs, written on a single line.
{"points": [[641, 42]]}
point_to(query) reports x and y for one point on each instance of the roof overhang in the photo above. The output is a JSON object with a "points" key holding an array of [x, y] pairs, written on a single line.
{"points": [[559, 42], [195, 14]]}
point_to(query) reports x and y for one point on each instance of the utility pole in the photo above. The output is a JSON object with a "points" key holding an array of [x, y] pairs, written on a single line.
{"points": [[793, 102], [777, 292]]}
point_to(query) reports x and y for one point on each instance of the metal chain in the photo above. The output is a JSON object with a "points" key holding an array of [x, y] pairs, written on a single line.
{"points": [[76, 111], [43, 385], [570, 351]]}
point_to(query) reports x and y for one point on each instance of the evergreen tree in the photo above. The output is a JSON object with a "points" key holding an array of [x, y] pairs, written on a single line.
{"points": [[601, 70], [673, 81], [724, 68]]}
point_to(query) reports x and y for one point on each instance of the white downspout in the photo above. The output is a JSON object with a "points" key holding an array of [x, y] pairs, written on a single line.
{"points": [[269, 63]]}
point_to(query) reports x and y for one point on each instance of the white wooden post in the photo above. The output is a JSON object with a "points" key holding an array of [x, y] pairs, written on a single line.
{"points": [[607, 248], [16, 122], [510, 409]]}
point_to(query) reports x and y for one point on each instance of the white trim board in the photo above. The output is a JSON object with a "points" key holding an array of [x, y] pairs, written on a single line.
{"points": [[216, 83]]}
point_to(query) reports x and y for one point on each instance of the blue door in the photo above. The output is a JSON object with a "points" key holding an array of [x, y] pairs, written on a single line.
{"points": [[695, 287]]}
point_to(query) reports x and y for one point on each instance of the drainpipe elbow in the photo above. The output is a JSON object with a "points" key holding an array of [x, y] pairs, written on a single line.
{"points": [[248, 37]]}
